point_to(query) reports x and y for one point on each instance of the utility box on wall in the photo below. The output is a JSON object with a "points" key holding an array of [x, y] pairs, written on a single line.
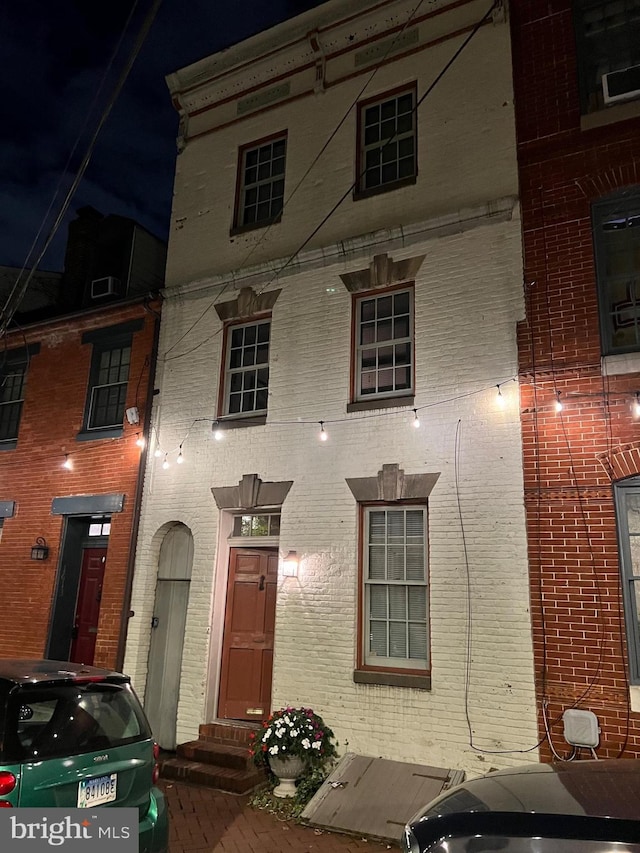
{"points": [[581, 728]]}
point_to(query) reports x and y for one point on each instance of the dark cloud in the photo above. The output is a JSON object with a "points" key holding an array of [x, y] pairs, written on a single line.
{"points": [[55, 56]]}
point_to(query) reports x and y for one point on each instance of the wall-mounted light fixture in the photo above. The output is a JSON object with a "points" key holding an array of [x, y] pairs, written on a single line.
{"points": [[133, 415], [40, 551], [290, 565]]}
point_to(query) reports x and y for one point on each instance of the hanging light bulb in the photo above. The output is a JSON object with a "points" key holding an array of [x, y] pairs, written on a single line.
{"points": [[500, 399], [323, 435], [165, 464], [558, 403], [68, 464], [140, 441], [157, 453], [218, 432], [416, 419], [180, 458], [636, 405]]}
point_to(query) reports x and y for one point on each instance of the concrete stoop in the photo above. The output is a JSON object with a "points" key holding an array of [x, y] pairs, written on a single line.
{"points": [[218, 759]]}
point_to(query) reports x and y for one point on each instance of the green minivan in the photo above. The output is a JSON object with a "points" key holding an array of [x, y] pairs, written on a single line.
{"points": [[74, 736]]}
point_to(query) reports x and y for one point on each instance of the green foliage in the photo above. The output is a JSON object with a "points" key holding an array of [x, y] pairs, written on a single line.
{"points": [[290, 808], [294, 732]]}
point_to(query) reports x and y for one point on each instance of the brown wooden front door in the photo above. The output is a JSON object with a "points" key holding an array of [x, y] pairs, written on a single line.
{"points": [[85, 624], [247, 648]]}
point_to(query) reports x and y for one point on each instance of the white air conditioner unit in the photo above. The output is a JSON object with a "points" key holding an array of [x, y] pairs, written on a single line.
{"points": [[108, 286], [621, 85]]}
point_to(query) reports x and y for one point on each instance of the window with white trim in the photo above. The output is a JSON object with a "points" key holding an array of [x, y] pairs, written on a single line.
{"points": [[384, 344], [628, 517], [246, 381], [108, 386], [616, 237], [387, 142], [261, 178], [12, 379], [395, 588]]}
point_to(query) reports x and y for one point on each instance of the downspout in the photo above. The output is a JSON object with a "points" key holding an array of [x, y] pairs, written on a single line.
{"points": [[126, 612]]}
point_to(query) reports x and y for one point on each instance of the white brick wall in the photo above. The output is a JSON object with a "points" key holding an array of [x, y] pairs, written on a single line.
{"points": [[468, 298]]}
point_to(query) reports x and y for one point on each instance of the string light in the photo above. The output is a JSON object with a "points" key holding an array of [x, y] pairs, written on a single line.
{"points": [[157, 453], [323, 435], [218, 432], [165, 464], [636, 405], [416, 419], [558, 404], [68, 464], [140, 441], [500, 399], [180, 458]]}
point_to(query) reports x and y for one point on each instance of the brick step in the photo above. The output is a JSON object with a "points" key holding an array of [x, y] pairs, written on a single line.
{"points": [[218, 754], [223, 778], [232, 734]]}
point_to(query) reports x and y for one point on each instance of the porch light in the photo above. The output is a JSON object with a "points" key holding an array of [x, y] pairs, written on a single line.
{"points": [[636, 405], [40, 551], [290, 565]]}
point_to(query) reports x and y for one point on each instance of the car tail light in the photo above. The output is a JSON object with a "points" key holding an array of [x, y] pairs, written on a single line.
{"points": [[7, 784], [5, 805], [156, 763]]}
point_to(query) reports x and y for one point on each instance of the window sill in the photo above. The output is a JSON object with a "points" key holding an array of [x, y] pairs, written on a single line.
{"points": [[9, 445], [610, 115], [99, 434], [392, 679], [233, 422], [618, 365], [380, 403], [385, 188], [634, 698], [254, 226]]}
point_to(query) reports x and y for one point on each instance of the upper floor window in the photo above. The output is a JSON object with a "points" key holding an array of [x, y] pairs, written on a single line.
{"points": [[383, 356], [608, 40], [246, 378], [108, 379], [261, 182], [387, 142], [395, 588], [13, 374], [616, 234], [628, 517]]}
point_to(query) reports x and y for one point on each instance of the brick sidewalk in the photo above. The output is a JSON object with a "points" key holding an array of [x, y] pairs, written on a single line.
{"points": [[204, 820]]}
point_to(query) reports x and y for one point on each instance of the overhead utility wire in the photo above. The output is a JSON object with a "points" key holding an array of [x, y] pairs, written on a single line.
{"points": [[17, 294], [328, 141], [345, 195]]}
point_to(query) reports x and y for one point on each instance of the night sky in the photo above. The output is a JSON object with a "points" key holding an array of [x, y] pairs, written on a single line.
{"points": [[55, 53]]}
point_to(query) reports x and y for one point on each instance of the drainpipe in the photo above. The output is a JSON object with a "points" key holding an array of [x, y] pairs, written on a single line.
{"points": [[135, 525]]}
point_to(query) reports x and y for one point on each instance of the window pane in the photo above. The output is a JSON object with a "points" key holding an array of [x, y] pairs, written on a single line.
{"points": [[377, 570], [388, 319], [263, 183], [387, 141], [378, 639], [249, 348]]}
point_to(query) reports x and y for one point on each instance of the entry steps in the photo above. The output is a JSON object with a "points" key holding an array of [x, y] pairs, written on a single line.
{"points": [[218, 759]]}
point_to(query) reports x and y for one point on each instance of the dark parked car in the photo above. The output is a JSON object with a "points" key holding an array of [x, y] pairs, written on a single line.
{"points": [[571, 807], [74, 736]]}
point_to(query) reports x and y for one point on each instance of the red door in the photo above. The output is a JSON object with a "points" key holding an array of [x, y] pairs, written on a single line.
{"points": [[85, 625], [247, 648]]}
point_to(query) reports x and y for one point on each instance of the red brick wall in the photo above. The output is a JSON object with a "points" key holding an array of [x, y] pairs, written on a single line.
{"points": [[32, 475], [579, 635]]}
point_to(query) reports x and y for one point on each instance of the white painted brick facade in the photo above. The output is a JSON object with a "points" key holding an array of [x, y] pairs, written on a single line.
{"points": [[468, 298]]}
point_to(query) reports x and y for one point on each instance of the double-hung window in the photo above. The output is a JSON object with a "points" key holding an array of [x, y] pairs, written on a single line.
{"points": [[383, 356], [246, 379], [616, 236], [108, 379], [261, 183], [395, 588], [387, 142], [12, 380], [628, 515], [608, 41]]}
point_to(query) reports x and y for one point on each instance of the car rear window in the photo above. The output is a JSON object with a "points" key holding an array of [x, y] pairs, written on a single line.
{"points": [[51, 721]]}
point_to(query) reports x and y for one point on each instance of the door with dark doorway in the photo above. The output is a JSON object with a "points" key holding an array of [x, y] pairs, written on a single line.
{"points": [[247, 648], [85, 623]]}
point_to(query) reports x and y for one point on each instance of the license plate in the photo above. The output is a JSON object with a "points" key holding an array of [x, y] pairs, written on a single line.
{"points": [[95, 792]]}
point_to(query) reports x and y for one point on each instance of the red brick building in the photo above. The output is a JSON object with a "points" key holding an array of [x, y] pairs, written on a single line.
{"points": [[75, 397], [577, 90]]}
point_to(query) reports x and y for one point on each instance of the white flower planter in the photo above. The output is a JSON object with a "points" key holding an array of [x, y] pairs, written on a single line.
{"points": [[286, 770]]}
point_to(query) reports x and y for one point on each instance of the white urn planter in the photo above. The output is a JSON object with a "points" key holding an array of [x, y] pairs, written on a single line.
{"points": [[286, 770]]}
